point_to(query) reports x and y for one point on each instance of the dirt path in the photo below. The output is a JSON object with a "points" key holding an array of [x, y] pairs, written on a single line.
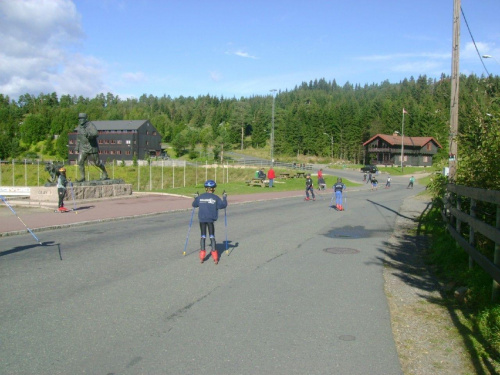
{"points": [[426, 338]]}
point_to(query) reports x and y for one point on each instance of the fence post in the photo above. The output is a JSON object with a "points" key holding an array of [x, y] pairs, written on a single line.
{"points": [[138, 175], [458, 222], [471, 230], [496, 260]]}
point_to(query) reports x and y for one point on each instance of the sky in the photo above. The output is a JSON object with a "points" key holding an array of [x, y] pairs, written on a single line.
{"points": [[234, 48]]}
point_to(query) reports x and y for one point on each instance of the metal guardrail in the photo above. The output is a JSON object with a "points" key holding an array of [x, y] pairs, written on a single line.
{"points": [[454, 216]]}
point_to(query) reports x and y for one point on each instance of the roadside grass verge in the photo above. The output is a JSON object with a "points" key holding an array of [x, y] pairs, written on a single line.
{"points": [[167, 179], [475, 316]]}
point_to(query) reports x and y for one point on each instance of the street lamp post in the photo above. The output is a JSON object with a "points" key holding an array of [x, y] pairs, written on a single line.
{"points": [[491, 57], [272, 128], [331, 145], [402, 148]]}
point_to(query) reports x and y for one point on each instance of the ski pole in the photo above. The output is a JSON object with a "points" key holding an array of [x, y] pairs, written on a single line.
{"points": [[225, 223], [189, 229], [14, 212]]}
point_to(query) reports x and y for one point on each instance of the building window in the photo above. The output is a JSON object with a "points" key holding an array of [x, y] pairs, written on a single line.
{"points": [[119, 141], [428, 146], [426, 159], [127, 141]]}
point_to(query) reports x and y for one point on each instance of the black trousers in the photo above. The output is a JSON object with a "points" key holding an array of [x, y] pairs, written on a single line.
{"points": [[61, 192]]}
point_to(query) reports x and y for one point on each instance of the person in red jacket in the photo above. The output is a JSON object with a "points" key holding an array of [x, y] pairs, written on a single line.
{"points": [[271, 176]]}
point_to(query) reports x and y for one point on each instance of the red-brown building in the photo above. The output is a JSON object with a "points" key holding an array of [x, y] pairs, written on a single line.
{"points": [[386, 150]]}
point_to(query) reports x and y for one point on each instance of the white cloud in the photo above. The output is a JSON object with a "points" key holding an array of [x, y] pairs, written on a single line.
{"points": [[35, 41], [215, 76], [243, 54], [135, 77]]}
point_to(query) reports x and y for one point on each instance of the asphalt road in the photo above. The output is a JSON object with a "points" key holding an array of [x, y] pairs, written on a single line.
{"points": [[301, 292]]}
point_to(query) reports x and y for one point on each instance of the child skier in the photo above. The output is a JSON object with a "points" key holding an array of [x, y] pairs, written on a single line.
{"points": [[410, 184], [388, 183], [61, 189], [338, 188], [309, 187], [209, 205]]}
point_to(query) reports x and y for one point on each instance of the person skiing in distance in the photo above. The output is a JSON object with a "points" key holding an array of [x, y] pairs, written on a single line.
{"points": [[321, 180], [209, 205], [388, 183], [62, 181], [338, 188], [410, 184], [309, 187]]}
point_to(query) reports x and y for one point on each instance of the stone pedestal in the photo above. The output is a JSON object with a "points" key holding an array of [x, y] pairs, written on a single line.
{"points": [[49, 193]]}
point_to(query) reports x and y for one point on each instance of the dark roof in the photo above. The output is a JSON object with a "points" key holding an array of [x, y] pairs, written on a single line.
{"points": [[119, 124], [395, 140]]}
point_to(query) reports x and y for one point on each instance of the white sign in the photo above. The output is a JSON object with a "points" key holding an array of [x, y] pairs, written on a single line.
{"points": [[15, 190]]}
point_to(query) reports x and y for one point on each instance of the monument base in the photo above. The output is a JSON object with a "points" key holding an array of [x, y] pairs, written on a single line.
{"points": [[49, 193]]}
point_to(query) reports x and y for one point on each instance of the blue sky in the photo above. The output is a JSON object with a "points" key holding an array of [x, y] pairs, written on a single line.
{"points": [[237, 48]]}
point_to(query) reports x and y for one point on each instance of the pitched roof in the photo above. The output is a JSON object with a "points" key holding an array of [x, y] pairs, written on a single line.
{"points": [[395, 140], [119, 124]]}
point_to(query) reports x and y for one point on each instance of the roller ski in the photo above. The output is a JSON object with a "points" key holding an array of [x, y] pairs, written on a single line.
{"points": [[62, 210]]}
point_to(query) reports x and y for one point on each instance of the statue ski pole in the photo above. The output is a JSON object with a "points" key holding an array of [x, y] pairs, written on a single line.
{"points": [[14, 212]]}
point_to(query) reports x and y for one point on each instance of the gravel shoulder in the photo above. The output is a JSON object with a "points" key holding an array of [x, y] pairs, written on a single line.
{"points": [[427, 340]]}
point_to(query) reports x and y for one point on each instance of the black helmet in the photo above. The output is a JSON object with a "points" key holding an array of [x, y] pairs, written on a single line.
{"points": [[210, 184]]}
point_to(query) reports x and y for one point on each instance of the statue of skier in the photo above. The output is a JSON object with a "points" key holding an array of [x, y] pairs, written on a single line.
{"points": [[87, 147]]}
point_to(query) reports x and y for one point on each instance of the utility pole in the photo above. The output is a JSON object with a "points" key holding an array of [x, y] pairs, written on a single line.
{"points": [[455, 78]]}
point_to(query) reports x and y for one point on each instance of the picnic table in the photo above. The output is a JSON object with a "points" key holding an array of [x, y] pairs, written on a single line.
{"points": [[284, 175], [258, 182], [300, 175]]}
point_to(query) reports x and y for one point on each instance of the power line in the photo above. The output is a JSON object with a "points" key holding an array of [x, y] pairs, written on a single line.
{"points": [[473, 41]]}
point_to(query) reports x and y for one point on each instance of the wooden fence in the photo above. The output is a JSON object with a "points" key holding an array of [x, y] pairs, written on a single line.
{"points": [[458, 198]]}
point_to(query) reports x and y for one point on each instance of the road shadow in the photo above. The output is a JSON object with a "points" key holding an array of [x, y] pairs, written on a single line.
{"points": [[18, 249]]}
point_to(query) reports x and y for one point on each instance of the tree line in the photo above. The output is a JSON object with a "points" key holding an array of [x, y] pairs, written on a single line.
{"points": [[307, 118]]}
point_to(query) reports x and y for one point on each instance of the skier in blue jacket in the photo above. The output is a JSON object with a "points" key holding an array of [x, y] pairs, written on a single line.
{"points": [[209, 205], [338, 188]]}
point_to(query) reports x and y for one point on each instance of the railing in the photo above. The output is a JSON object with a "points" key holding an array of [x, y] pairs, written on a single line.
{"points": [[462, 196]]}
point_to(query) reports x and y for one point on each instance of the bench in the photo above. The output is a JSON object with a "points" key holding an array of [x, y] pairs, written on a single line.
{"points": [[258, 182]]}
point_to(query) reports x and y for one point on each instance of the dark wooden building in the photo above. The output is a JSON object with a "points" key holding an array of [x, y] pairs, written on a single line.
{"points": [[385, 149], [122, 140]]}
